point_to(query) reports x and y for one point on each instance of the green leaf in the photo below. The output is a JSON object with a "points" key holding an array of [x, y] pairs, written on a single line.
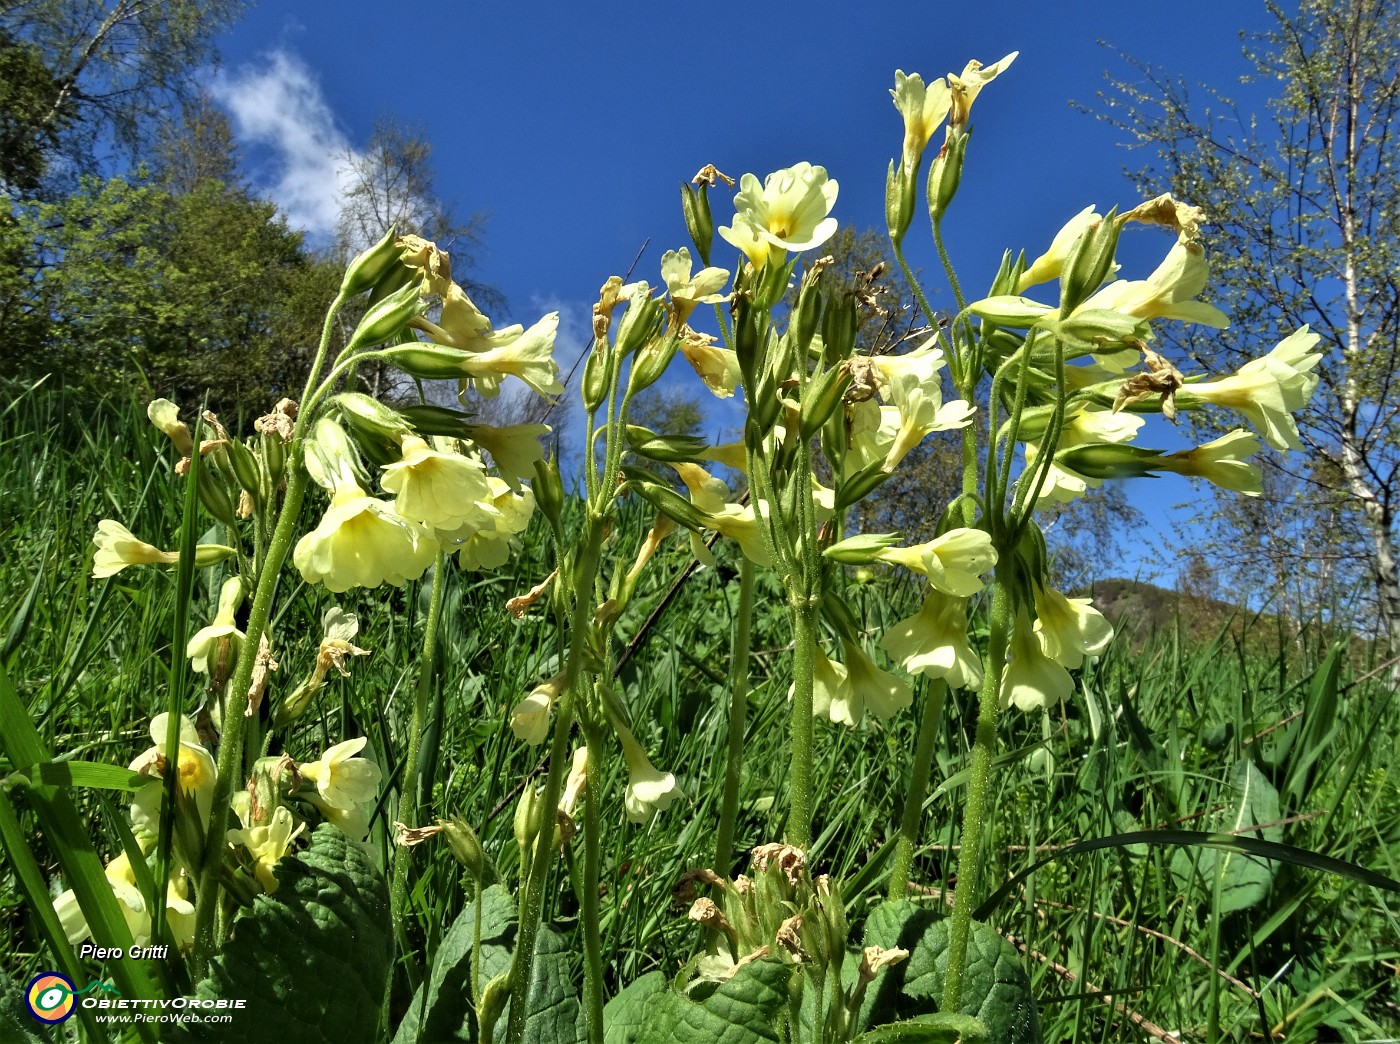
{"points": [[938, 1028], [743, 1010], [78, 774], [1244, 880], [626, 1014], [445, 1008], [1318, 726], [996, 990], [312, 960]]}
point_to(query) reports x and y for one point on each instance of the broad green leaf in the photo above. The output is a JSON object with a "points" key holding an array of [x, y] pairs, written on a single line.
{"points": [[625, 1015], [996, 990], [1318, 726], [743, 1010], [312, 959], [445, 1009], [1244, 879]]}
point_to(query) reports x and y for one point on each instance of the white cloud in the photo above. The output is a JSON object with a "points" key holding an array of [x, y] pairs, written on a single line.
{"points": [[300, 153]]}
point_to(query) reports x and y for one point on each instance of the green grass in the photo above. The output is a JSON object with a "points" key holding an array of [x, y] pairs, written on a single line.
{"points": [[1151, 742]]}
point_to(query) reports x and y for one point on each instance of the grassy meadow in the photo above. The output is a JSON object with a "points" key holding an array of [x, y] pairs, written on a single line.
{"points": [[1153, 940]]}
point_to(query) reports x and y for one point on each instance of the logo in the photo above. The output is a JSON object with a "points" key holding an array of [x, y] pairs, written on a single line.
{"points": [[50, 998]]}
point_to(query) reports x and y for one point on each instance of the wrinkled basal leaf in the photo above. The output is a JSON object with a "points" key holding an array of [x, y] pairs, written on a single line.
{"points": [[996, 989]]}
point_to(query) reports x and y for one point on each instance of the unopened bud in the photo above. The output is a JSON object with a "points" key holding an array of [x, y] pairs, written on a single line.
{"points": [[369, 267], [371, 416], [595, 377], [429, 362], [465, 845], [669, 448], [384, 319], [899, 201], [823, 395], [695, 204], [1089, 263], [1108, 460], [640, 322], [651, 362], [944, 176]]}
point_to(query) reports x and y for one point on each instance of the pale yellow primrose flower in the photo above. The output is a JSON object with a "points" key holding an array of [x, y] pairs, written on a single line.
{"points": [[648, 789], [117, 548], [488, 546], [266, 843], [462, 325], [342, 780], [219, 642], [923, 109], [195, 770], [1167, 293], [688, 291], [717, 367], [179, 911], [578, 778], [165, 415], [933, 642], [965, 88], [1031, 678], [1088, 426], [789, 211], [438, 489], [1049, 265], [353, 822], [1069, 629], [873, 689], [831, 692], [1221, 462], [1268, 390], [741, 525], [529, 357], [952, 562], [530, 718], [921, 412], [514, 447]]}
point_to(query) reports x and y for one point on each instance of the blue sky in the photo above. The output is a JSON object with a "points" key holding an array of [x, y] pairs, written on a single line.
{"points": [[571, 125]]}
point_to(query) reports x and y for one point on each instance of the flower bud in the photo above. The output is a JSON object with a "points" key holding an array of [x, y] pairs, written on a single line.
{"points": [[1089, 263], [427, 419], [165, 415], [860, 485], [651, 362], [527, 820], [695, 203], [211, 554], [431, 362], [899, 201], [861, 549], [809, 309], [1106, 460], [214, 497], [465, 845], [666, 500], [669, 448], [944, 175], [595, 378], [839, 326], [822, 397], [640, 322], [371, 416], [384, 319], [549, 493], [1008, 310], [243, 465], [367, 268]]}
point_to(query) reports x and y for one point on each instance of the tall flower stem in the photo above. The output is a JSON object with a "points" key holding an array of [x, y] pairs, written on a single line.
{"points": [[230, 766], [971, 857], [799, 826], [738, 706], [532, 899], [591, 914], [918, 786], [408, 781]]}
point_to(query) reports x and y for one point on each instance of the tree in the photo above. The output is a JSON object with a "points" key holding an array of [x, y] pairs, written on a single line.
{"points": [[112, 69], [27, 88], [1305, 208]]}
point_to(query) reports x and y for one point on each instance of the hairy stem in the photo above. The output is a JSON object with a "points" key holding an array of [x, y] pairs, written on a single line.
{"points": [[738, 706], [918, 786]]}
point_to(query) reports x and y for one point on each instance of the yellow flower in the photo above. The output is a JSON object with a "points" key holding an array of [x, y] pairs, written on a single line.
{"points": [[117, 548], [438, 489], [831, 691], [179, 911], [488, 546], [362, 542], [462, 325], [213, 649], [342, 780], [196, 771], [1031, 678], [952, 562], [740, 524], [1087, 426], [1069, 629], [717, 367], [965, 88], [530, 718], [923, 109], [165, 415], [933, 642], [1221, 462], [1167, 293], [688, 291], [1049, 264], [872, 689], [513, 447], [648, 790], [353, 822], [789, 211], [530, 357], [1268, 390], [911, 383], [578, 779], [266, 843]]}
